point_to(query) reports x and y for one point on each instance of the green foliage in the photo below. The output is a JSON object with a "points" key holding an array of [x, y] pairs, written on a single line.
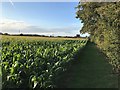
{"points": [[102, 21], [35, 64]]}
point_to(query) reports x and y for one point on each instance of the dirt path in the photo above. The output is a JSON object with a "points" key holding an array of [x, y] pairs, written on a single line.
{"points": [[89, 70]]}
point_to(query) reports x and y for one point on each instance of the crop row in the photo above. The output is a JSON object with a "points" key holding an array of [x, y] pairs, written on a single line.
{"points": [[35, 64]]}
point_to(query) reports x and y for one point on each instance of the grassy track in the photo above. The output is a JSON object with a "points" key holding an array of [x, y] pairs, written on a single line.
{"points": [[90, 70]]}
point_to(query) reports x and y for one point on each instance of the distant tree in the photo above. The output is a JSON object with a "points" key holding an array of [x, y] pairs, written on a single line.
{"points": [[59, 36], [5, 34], [51, 36], [1, 33], [77, 35], [21, 34]]}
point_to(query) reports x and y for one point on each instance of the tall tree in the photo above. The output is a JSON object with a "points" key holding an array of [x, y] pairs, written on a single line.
{"points": [[102, 21]]}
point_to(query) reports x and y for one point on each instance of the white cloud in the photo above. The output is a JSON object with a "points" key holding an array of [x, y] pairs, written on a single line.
{"points": [[14, 26]]}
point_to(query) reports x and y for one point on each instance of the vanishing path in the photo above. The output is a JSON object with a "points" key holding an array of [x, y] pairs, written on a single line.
{"points": [[89, 70]]}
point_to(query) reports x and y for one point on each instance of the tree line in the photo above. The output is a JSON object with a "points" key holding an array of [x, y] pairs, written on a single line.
{"points": [[102, 21]]}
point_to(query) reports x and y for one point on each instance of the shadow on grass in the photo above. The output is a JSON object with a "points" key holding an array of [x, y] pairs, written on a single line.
{"points": [[89, 69]]}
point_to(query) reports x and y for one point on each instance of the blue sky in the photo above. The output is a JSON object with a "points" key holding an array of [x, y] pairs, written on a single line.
{"points": [[49, 18]]}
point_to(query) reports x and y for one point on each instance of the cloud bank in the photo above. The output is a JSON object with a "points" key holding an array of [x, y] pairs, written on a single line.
{"points": [[17, 27]]}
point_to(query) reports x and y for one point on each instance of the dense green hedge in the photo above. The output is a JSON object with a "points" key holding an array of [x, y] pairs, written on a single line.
{"points": [[102, 22]]}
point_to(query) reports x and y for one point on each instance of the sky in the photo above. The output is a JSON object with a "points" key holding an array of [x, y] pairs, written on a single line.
{"points": [[43, 18]]}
